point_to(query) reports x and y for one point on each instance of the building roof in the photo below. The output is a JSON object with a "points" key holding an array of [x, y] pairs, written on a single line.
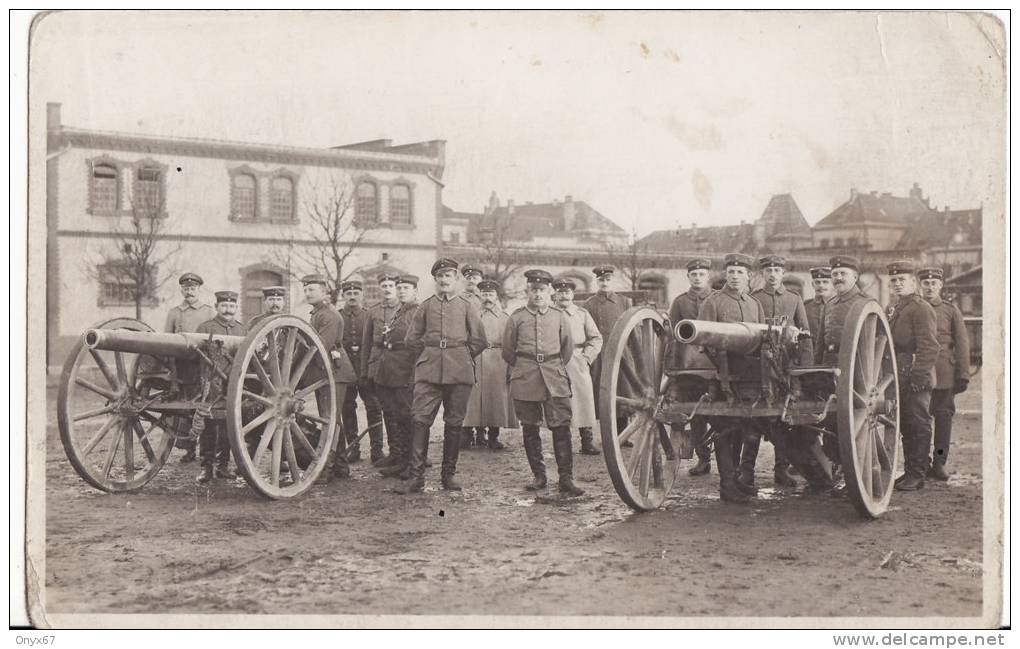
{"points": [[782, 218], [721, 239], [875, 208], [567, 219], [948, 228]]}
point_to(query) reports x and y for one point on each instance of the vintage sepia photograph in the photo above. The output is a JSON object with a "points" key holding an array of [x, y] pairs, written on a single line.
{"points": [[516, 318]]}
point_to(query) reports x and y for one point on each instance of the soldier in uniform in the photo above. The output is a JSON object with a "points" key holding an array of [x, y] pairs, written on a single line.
{"points": [[538, 346], [685, 307], [185, 318], [913, 325], [273, 297], [214, 447], [447, 333], [376, 323], [472, 277], [355, 315], [392, 366], [329, 324], [821, 281], [780, 306], [733, 304], [952, 369], [587, 346], [489, 407], [605, 308]]}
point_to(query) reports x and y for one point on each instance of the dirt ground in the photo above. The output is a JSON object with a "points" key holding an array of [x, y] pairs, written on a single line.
{"points": [[354, 547]]}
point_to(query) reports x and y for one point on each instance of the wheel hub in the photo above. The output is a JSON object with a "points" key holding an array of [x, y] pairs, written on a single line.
{"points": [[289, 405]]}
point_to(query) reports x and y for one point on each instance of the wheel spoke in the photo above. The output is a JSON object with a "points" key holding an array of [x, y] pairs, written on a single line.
{"points": [[299, 435], [859, 400], [305, 391], [274, 363], [100, 434], [885, 382], [274, 478], [639, 450], [868, 346], [860, 421], [630, 430], [288, 352], [143, 439], [121, 370], [267, 436], [129, 450], [292, 464], [104, 367], [881, 342], [112, 454], [316, 418], [862, 372], [258, 397], [649, 339], [864, 463], [881, 453], [101, 391], [629, 369], [94, 413], [267, 383], [645, 468], [886, 421], [302, 365], [266, 415], [633, 404]]}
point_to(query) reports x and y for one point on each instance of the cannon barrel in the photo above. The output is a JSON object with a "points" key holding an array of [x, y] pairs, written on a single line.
{"points": [[180, 345], [739, 337]]}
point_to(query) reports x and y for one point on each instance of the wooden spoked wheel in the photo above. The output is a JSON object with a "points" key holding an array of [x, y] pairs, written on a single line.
{"points": [[630, 387], [281, 407], [868, 421], [112, 439]]}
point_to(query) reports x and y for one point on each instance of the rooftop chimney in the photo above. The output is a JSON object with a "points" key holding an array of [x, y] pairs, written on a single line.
{"points": [[509, 206], [853, 193], [493, 201], [568, 213]]}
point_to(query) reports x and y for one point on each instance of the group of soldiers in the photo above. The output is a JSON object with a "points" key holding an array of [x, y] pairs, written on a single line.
{"points": [[489, 369], [541, 364], [929, 337]]}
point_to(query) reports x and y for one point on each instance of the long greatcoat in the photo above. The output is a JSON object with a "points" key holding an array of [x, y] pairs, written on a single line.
{"points": [[587, 345], [490, 403]]}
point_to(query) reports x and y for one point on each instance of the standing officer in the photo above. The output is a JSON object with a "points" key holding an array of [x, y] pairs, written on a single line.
{"points": [[779, 305], [394, 375], [952, 369], [378, 321], [587, 346], [185, 318], [733, 304], [489, 406], [685, 307], [355, 315], [821, 281], [913, 325], [446, 331], [605, 308], [273, 298], [214, 447], [329, 324], [472, 277], [538, 346]]}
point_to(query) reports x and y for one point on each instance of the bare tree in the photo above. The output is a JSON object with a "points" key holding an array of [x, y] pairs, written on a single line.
{"points": [[502, 254], [140, 261], [631, 258], [331, 222]]}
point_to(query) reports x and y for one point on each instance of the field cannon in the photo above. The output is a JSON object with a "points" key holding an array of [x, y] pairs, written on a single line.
{"points": [[127, 393], [852, 404]]}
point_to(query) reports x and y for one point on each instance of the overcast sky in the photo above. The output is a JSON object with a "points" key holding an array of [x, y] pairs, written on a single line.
{"points": [[655, 119]]}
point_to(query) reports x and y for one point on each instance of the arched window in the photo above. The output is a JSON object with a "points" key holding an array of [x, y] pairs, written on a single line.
{"points": [[244, 196], [105, 190], [282, 199], [367, 205], [149, 196], [400, 204]]}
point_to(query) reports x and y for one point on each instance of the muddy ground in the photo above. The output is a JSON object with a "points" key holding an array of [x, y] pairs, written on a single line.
{"points": [[354, 547]]}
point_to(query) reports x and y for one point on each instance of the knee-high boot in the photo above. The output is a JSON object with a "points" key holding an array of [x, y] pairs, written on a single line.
{"points": [[451, 451], [728, 490], [564, 450], [416, 473], [533, 449], [748, 457]]}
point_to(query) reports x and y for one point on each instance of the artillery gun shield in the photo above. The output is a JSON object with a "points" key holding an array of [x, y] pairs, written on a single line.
{"points": [[867, 398], [281, 407]]}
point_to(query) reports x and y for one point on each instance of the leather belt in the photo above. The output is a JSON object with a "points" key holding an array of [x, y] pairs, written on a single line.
{"points": [[581, 346], [493, 345], [540, 358], [394, 346], [443, 343]]}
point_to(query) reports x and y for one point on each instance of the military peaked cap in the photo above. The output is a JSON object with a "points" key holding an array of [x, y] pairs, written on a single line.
{"points": [[930, 273], [408, 279], [821, 272], [488, 285], [350, 285], [738, 259], [274, 291], [845, 261], [387, 277], [564, 283], [772, 260], [444, 264], [470, 269], [699, 264], [604, 269], [190, 279], [315, 278], [902, 267], [538, 276], [226, 296]]}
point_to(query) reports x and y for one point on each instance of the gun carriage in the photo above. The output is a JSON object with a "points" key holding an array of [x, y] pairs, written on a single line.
{"points": [[127, 392], [852, 404]]}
